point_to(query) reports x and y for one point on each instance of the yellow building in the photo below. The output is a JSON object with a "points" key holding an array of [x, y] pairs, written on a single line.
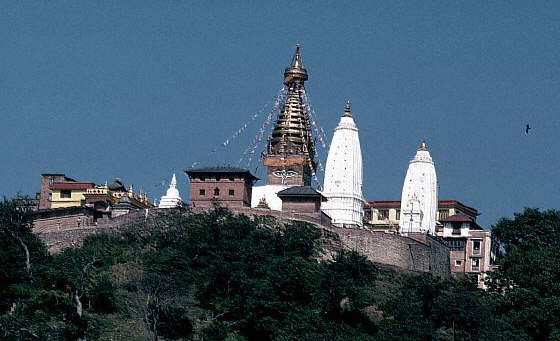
{"points": [[69, 193], [59, 191]]}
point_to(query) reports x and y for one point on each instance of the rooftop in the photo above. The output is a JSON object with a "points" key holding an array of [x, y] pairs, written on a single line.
{"points": [[441, 204], [461, 218], [300, 191]]}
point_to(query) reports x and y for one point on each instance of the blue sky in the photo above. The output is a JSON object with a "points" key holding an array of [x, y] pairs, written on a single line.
{"points": [[142, 89]]}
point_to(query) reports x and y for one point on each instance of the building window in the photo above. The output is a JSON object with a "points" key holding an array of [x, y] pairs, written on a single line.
{"points": [[458, 262], [398, 215], [475, 264], [456, 244], [443, 214], [367, 215], [216, 191], [456, 230], [231, 192], [65, 193], [202, 192], [383, 215], [476, 247]]}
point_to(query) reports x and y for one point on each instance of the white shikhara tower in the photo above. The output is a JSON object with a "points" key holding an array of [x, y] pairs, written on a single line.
{"points": [[343, 175], [419, 195], [172, 198]]}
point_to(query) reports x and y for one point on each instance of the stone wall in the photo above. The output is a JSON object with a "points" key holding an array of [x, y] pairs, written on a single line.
{"points": [[415, 252], [427, 255], [57, 238]]}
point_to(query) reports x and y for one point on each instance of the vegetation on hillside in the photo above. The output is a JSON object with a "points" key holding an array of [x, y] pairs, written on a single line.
{"points": [[220, 276]]}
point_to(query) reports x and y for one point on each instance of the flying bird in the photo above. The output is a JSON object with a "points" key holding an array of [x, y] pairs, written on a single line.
{"points": [[527, 128]]}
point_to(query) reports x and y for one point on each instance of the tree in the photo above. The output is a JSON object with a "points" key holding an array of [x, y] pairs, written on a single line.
{"points": [[526, 286]]}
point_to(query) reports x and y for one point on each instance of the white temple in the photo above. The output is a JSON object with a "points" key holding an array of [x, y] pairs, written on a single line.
{"points": [[172, 198], [343, 175], [419, 195]]}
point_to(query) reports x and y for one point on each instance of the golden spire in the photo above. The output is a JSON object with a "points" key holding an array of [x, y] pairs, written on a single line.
{"points": [[348, 109], [296, 72], [423, 145]]}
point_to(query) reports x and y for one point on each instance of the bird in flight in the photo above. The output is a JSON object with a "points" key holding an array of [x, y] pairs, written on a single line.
{"points": [[527, 128]]}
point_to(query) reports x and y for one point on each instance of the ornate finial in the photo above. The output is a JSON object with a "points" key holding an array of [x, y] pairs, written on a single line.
{"points": [[423, 146], [173, 181], [348, 109], [296, 72]]}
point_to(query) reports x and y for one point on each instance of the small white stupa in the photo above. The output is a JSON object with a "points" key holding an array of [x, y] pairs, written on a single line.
{"points": [[343, 175], [419, 195], [172, 198]]}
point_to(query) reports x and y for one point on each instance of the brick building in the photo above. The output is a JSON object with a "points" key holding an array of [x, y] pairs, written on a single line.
{"points": [[303, 199], [230, 186], [470, 246]]}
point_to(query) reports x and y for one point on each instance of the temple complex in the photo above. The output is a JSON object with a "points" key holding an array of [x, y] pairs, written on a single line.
{"points": [[419, 195], [343, 175], [172, 198]]}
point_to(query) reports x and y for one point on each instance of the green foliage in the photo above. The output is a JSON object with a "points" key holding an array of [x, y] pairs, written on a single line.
{"points": [[526, 287]]}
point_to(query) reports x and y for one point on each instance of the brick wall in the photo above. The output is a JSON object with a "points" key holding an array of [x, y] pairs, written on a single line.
{"points": [[296, 204], [63, 222], [240, 187], [46, 192]]}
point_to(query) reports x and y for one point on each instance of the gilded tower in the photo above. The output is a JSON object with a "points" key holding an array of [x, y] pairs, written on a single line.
{"points": [[291, 150]]}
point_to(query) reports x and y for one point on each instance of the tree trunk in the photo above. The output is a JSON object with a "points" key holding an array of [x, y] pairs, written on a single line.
{"points": [[26, 250], [79, 311]]}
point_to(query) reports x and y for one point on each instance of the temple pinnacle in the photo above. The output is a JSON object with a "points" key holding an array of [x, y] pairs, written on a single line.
{"points": [[423, 145], [348, 109], [296, 72]]}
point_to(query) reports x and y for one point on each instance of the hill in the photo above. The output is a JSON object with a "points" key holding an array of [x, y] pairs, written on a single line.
{"points": [[223, 276]]}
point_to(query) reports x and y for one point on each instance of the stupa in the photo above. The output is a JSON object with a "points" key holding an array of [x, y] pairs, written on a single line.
{"points": [[172, 198], [290, 151]]}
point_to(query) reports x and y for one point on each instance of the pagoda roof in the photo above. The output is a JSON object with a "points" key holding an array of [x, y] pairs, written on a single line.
{"points": [[300, 191]]}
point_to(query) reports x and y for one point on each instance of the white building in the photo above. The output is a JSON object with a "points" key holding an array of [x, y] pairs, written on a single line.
{"points": [[267, 195], [172, 198], [343, 175], [419, 195]]}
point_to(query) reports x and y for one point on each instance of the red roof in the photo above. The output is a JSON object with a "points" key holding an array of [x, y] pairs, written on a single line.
{"points": [[457, 218], [442, 203], [73, 185]]}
